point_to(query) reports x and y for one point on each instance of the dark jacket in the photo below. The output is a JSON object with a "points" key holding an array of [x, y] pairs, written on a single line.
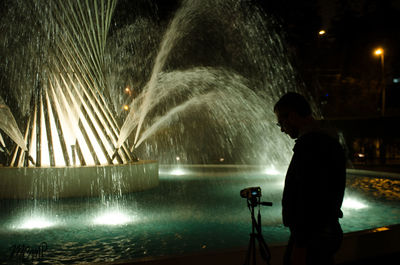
{"points": [[314, 184]]}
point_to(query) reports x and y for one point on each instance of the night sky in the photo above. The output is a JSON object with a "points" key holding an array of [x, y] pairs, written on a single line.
{"points": [[340, 68], [354, 29], [336, 67]]}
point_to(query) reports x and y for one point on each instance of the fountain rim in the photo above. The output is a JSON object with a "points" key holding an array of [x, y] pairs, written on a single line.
{"points": [[67, 182]]}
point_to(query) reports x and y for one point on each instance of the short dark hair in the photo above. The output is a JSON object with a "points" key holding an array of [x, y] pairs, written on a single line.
{"points": [[295, 102]]}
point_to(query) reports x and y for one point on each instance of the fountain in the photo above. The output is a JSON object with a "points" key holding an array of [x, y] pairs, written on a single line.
{"points": [[89, 104], [86, 88], [69, 147]]}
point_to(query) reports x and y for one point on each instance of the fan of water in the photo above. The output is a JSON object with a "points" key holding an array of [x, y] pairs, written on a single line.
{"points": [[200, 88]]}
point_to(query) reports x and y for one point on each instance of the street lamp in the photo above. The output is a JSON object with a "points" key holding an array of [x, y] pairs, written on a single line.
{"points": [[380, 52]]}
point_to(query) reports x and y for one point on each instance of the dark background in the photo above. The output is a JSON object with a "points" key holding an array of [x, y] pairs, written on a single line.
{"points": [[345, 77], [340, 69]]}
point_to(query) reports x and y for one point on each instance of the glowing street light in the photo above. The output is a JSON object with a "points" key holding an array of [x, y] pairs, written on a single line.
{"points": [[128, 90], [322, 32], [378, 51], [381, 53]]}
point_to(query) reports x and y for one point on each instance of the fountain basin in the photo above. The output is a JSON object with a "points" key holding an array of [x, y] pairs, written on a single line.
{"points": [[193, 215], [85, 181]]}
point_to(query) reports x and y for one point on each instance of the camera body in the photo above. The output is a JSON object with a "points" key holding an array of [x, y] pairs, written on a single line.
{"points": [[251, 193]]}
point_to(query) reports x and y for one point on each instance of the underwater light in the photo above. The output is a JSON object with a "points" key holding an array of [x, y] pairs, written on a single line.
{"points": [[35, 223], [271, 171], [352, 203], [178, 172], [112, 218]]}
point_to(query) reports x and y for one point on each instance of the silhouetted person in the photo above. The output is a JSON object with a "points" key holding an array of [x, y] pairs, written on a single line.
{"points": [[314, 185]]}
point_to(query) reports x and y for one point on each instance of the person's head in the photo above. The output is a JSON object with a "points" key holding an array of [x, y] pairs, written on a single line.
{"points": [[293, 113]]}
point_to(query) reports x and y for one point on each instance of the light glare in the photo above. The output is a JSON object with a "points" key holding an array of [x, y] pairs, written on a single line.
{"points": [[112, 218], [351, 203], [35, 223], [378, 51], [178, 172], [271, 171]]}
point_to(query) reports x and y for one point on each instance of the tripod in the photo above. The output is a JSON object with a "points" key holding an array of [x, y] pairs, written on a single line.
{"points": [[256, 234]]}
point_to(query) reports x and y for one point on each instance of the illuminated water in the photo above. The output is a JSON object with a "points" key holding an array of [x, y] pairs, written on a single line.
{"points": [[201, 88], [188, 212], [70, 67]]}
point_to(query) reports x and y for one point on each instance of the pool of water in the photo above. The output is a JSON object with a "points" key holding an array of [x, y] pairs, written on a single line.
{"points": [[188, 212]]}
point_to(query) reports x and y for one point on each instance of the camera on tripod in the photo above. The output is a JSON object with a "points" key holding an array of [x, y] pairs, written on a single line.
{"points": [[251, 193]]}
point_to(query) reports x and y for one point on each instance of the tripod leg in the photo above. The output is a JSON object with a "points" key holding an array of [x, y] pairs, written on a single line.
{"points": [[251, 251], [262, 245], [264, 250], [254, 249]]}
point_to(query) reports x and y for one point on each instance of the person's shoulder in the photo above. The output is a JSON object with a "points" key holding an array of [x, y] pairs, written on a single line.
{"points": [[324, 130], [318, 137]]}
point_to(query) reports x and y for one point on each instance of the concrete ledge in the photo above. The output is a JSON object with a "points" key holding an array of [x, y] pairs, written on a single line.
{"points": [[61, 182], [370, 243], [364, 172], [356, 246]]}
